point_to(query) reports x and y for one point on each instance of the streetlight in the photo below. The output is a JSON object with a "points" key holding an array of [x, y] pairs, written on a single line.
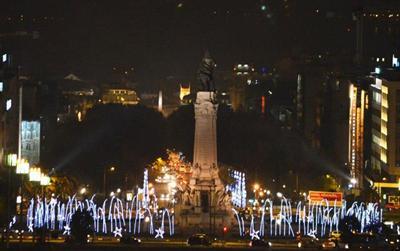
{"points": [[256, 186], [35, 174], [22, 166], [106, 170], [83, 190], [44, 180]]}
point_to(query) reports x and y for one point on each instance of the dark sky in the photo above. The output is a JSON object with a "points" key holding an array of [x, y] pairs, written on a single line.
{"points": [[162, 38]]}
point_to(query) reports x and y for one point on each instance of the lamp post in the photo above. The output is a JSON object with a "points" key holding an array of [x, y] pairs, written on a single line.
{"points": [[22, 168], [106, 170]]}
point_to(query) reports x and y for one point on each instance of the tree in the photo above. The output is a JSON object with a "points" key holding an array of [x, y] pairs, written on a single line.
{"points": [[81, 226]]}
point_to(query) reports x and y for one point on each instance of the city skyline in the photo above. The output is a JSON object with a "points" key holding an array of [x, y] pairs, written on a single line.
{"points": [[164, 39]]}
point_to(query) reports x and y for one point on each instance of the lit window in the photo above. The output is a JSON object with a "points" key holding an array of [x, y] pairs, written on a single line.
{"points": [[8, 104], [1, 86], [4, 58]]}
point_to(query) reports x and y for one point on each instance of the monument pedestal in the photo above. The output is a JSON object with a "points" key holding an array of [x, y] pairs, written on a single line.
{"points": [[206, 206]]}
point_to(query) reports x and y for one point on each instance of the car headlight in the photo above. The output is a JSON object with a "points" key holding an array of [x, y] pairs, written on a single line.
{"points": [[323, 245], [270, 244], [139, 240], [299, 245], [346, 246]]}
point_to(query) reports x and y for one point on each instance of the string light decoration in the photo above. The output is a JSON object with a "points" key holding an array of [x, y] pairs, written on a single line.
{"points": [[238, 188]]}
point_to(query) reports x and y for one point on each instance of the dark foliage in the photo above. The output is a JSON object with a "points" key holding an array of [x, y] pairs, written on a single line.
{"points": [[81, 226], [126, 137]]}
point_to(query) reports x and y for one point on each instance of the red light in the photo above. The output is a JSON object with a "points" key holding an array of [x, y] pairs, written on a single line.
{"points": [[225, 229]]}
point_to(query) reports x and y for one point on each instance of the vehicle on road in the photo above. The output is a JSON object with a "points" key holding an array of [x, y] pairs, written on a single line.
{"points": [[393, 241], [199, 239], [130, 240], [329, 243], [308, 242], [335, 234], [363, 241], [260, 243]]}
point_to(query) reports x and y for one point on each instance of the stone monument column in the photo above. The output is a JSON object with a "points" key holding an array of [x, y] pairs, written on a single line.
{"points": [[204, 204], [205, 164], [205, 138]]}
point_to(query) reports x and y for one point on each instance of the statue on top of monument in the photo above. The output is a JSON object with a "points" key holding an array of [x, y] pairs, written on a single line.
{"points": [[205, 74]]}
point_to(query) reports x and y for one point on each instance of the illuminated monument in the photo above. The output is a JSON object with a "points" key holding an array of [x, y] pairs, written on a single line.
{"points": [[204, 204]]}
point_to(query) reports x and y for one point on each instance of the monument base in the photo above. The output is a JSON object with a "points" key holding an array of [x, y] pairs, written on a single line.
{"points": [[192, 220]]}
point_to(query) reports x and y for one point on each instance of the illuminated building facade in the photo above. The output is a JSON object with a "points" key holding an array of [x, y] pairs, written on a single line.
{"points": [[30, 141], [385, 104], [184, 90], [77, 97], [123, 96], [358, 105], [243, 74]]}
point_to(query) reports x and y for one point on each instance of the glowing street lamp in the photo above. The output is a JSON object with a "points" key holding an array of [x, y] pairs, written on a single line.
{"points": [[256, 186], [22, 167], [35, 174], [83, 190], [44, 180], [353, 181], [12, 159], [279, 194]]}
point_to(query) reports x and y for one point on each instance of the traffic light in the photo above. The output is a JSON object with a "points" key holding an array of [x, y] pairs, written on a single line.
{"points": [[225, 230]]}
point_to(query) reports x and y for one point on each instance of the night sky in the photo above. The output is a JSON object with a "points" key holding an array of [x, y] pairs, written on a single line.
{"points": [[164, 38]]}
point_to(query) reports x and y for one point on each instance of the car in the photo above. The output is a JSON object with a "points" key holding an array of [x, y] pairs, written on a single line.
{"points": [[308, 242], [130, 240], [260, 243], [393, 240], [363, 241], [335, 234], [199, 239], [329, 243]]}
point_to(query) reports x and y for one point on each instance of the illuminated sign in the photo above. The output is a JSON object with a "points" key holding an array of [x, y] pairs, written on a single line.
{"points": [[30, 141], [330, 197], [394, 200], [395, 62]]}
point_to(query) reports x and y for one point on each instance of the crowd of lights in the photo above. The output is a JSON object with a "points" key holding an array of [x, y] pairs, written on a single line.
{"points": [[136, 215], [310, 219], [238, 189], [140, 213]]}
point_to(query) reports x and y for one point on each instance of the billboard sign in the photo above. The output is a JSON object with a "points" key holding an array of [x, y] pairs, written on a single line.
{"points": [[394, 200], [321, 196]]}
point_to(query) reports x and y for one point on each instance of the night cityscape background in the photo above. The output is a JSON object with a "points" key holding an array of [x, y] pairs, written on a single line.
{"points": [[95, 93]]}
